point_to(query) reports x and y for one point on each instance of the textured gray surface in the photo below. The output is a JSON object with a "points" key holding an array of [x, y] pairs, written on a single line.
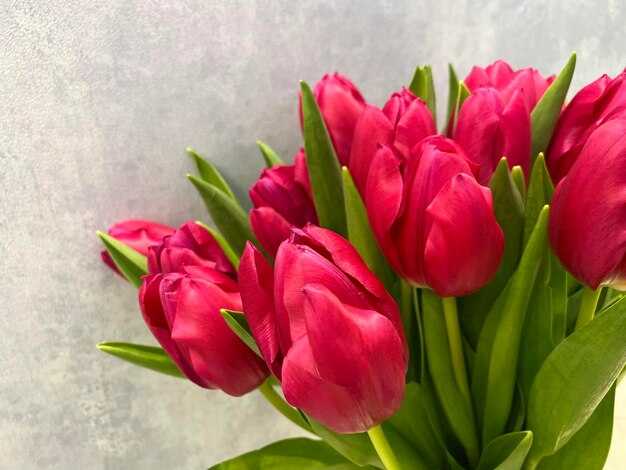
{"points": [[97, 104]]}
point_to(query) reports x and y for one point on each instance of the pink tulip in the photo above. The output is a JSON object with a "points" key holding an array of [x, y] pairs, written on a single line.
{"points": [[489, 128], [282, 200], [139, 235], [588, 217], [434, 222], [402, 123], [597, 103], [183, 312], [327, 328], [507, 81], [190, 245], [341, 104]]}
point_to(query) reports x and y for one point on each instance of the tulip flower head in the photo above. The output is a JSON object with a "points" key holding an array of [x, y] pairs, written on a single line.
{"points": [[490, 127], [434, 222], [190, 245], [282, 200], [327, 328], [182, 310], [403, 122], [507, 81], [589, 210], [341, 105], [139, 235], [595, 104]]}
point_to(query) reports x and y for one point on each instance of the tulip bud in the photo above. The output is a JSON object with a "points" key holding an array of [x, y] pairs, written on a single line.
{"points": [[595, 104], [327, 328], [190, 245], [341, 104], [507, 81], [489, 128], [589, 210], [139, 235], [183, 312], [434, 222], [402, 123], [282, 200]]}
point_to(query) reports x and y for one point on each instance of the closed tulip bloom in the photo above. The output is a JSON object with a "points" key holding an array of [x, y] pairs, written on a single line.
{"points": [[595, 104], [434, 222], [341, 104], [402, 123], [489, 128], [588, 215], [183, 312], [507, 81], [327, 328], [282, 200], [190, 245], [139, 235]]}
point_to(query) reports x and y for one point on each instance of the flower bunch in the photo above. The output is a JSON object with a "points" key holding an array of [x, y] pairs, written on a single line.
{"points": [[412, 298]]}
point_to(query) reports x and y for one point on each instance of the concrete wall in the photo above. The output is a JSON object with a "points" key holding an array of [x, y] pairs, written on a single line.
{"points": [[97, 103]]}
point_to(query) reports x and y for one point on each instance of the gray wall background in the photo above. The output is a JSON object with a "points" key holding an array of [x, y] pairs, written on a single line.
{"points": [[98, 102]]}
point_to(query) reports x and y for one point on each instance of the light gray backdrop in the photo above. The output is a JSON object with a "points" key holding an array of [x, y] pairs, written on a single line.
{"points": [[97, 104]]}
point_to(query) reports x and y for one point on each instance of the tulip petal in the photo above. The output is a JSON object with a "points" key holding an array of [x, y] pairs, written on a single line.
{"points": [[214, 351], [515, 128], [478, 130], [416, 124], [373, 128], [154, 316], [465, 243], [341, 104], [349, 385], [343, 255], [256, 280], [385, 189], [587, 228], [298, 266], [270, 228]]}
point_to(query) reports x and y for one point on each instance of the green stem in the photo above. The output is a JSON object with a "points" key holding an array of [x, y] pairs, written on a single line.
{"points": [[282, 406], [587, 306], [383, 449], [455, 342]]}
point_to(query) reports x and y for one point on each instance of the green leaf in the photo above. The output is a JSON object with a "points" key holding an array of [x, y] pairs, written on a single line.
{"points": [[453, 91], [360, 232], [493, 383], [456, 408], [412, 422], [540, 191], [506, 452], [518, 178], [323, 166], [150, 357], [536, 342], [441, 429], [357, 448], [558, 287], [221, 241], [574, 379], [271, 157], [462, 94], [589, 447], [543, 117], [227, 214], [509, 211], [210, 174], [237, 322], [132, 264], [423, 87], [299, 452]]}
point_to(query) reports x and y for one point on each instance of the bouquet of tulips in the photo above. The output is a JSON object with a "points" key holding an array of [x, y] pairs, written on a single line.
{"points": [[412, 299]]}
